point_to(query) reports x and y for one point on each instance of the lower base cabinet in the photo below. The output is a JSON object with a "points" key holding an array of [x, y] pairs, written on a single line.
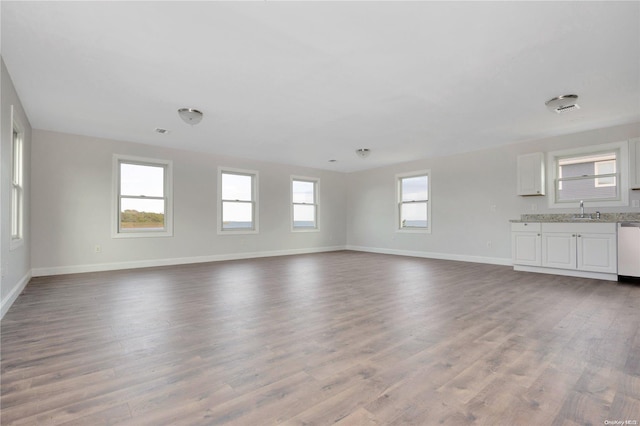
{"points": [[588, 247]]}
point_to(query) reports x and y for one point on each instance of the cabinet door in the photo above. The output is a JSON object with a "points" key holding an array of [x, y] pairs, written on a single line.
{"points": [[531, 174], [634, 160], [597, 252], [525, 248], [559, 250]]}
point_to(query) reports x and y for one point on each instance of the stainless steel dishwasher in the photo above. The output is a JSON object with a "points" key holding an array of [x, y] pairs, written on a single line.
{"points": [[629, 251]]}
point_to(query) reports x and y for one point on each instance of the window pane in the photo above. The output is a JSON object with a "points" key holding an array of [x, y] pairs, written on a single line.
{"points": [[136, 179], [603, 168], [413, 215], [237, 215], [141, 214], [237, 187], [17, 159], [303, 192], [15, 212], [304, 216], [586, 165], [414, 188], [586, 189]]}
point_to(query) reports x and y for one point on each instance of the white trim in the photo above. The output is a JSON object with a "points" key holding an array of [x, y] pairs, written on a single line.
{"points": [[256, 208], [398, 177], [433, 255], [623, 163], [98, 267], [566, 272], [168, 194], [14, 293], [316, 199]]}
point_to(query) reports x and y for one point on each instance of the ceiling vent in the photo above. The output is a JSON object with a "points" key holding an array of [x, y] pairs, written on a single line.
{"points": [[161, 131], [562, 104]]}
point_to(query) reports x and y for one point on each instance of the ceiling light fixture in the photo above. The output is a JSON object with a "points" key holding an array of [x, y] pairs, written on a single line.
{"points": [[190, 115], [363, 152], [563, 103]]}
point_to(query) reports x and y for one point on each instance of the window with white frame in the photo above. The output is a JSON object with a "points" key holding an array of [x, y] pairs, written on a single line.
{"points": [[304, 204], [143, 197], [237, 201], [414, 207], [595, 175], [17, 186]]}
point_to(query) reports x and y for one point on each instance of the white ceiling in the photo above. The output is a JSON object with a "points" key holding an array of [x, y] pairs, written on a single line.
{"points": [[305, 82]]}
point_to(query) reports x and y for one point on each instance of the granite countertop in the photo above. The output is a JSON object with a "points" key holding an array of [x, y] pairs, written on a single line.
{"points": [[569, 218]]}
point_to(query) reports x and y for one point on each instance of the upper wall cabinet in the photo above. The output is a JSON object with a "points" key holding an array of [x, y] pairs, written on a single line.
{"points": [[634, 160], [531, 174]]}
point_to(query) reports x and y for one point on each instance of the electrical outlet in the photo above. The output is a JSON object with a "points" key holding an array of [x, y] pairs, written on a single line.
{"points": [[97, 249], [494, 208], [635, 203], [534, 207], [489, 244]]}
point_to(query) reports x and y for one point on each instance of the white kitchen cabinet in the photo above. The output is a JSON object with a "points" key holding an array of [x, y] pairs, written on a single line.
{"points": [[587, 249], [525, 243], [530, 177], [596, 252], [634, 160], [559, 250]]}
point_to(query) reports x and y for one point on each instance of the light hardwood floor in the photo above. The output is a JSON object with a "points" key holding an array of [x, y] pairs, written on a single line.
{"points": [[344, 337]]}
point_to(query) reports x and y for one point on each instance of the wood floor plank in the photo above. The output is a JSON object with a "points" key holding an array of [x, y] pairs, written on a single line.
{"points": [[342, 337]]}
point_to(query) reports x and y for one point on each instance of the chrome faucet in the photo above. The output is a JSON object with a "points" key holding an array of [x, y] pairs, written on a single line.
{"points": [[581, 208]]}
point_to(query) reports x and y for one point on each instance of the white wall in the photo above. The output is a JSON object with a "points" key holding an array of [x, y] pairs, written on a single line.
{"points": [[15, 265], [464, 189], [72, 202]]}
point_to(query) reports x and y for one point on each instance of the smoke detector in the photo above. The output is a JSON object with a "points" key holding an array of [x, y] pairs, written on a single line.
{"points": [[562, 104]]}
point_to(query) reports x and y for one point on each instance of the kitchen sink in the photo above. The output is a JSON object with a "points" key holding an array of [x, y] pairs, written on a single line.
{"points": [[585, 217]]}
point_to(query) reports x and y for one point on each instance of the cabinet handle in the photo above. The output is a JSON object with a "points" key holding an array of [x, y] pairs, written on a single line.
{"points": [[579, 235], [573, 235], [538, 235]]}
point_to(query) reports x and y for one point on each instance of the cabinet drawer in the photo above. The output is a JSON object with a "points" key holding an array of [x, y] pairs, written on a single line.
{"points": [[525, 227]]}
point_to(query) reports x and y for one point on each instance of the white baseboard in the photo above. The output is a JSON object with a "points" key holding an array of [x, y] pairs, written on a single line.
{"points": [[14, 293], [98, 267], [432, 255], [567, 272]]}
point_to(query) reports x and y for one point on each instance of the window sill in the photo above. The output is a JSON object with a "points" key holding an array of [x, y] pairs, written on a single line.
{"points": [[142, 234], [305, 230], [589, 204], [237, 232], [414, 231], [15, 243]]}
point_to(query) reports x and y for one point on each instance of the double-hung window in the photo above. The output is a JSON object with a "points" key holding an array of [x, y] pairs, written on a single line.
{"points": [[237, 201], [414, 207], [17, 186], [304, 204], [143, 197], [596, 175]]}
